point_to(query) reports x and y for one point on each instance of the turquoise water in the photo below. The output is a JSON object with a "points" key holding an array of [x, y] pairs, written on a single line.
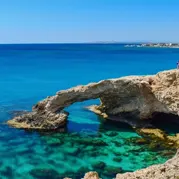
{"points": [[29, 73]]}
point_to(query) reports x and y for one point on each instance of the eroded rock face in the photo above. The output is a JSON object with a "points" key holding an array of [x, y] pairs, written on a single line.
{"points": [[91, 175], [41, 121], [139, 96]]}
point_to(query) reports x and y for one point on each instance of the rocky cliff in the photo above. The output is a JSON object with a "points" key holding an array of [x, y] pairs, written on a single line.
{"points": [[137, 96]]}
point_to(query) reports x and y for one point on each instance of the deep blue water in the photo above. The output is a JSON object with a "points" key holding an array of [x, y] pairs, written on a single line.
{"points": [[29, 73]]}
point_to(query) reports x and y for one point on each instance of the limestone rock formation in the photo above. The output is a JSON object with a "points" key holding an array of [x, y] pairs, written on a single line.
{"points": [[137, 96], [91, 175], [42, 120]]}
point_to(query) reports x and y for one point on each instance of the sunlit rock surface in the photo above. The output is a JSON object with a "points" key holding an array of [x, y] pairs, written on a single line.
{"points": [[91, 175], [138, 96]]}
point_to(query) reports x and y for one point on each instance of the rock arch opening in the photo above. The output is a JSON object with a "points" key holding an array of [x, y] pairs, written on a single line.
{"points": [[140, 96]]}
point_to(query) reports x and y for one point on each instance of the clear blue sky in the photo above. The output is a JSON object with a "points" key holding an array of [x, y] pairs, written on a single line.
{"points": [[55, 21]]}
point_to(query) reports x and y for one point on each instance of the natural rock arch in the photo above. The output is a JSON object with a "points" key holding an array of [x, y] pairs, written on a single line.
{"points": [[137, 95]]}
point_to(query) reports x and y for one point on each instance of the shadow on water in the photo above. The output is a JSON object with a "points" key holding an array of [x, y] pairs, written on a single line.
{"points": [[91, 129]]}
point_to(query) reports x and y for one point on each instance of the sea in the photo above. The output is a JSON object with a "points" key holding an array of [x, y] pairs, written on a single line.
{"points": [[31, 72]]}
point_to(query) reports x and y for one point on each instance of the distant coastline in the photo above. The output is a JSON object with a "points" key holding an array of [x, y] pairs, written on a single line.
{"points": [[157, 45]]}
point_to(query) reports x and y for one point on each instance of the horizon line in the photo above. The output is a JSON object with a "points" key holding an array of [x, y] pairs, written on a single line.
{"points": [[95, 42]]}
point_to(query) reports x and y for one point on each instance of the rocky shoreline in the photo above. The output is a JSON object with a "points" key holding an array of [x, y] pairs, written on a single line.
{"points": [[137, 96], [168, 170], [134, 100], [156, 45]]}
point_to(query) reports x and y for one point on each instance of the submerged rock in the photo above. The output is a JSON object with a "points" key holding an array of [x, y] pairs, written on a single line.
{"points": [[111, 133], [112, 171], [117, 159], [82, 170], [99, 165], [169, 170], [95, 153], [7, 172], [117, 143], [91, 141], [89, 148], [44, 173], [117, 153], [73, 151], [141, 141]]}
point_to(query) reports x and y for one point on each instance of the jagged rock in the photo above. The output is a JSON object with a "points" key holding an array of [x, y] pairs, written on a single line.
{"points": [[169, 170], [91, 175], [136, 96], [174, 138], [40, 120]]}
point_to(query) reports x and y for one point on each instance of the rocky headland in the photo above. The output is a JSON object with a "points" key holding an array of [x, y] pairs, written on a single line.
{"points": [[140, 97], [161, 45], [157, 45], [135, 100]]}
